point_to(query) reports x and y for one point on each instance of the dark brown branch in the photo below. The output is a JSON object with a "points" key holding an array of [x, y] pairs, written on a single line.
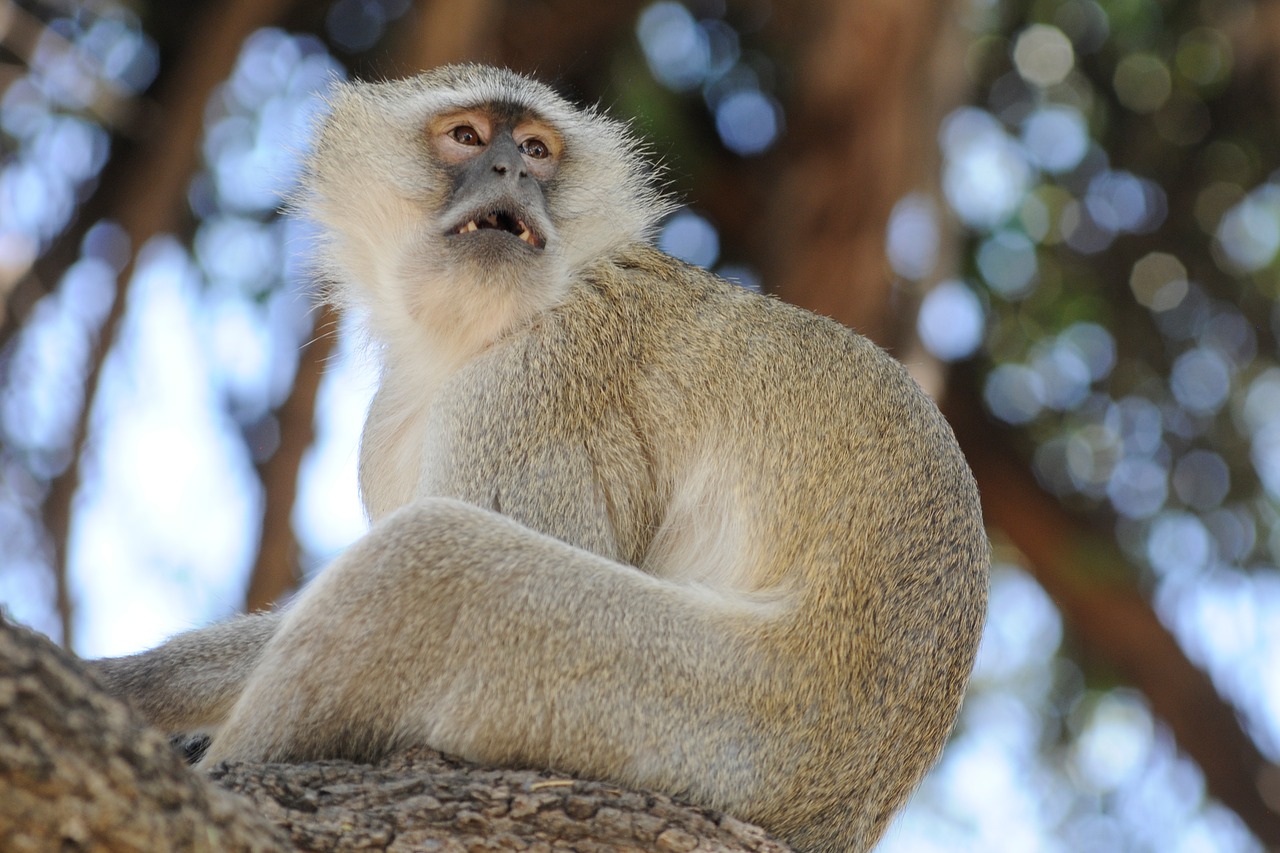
{"points": [[78, 771], [275, 570], [419, 799]]}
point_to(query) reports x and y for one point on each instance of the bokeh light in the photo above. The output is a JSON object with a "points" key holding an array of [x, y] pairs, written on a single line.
{"points": [[950, 321], [1043, 55], [691, 238], [912, 238], [676, 48], [1007, 261], [1249, 233], [986, 172], [748, 122], [1056, 137]]}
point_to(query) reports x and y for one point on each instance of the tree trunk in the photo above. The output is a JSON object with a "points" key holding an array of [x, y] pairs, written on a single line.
{"points": [[873, 82]]}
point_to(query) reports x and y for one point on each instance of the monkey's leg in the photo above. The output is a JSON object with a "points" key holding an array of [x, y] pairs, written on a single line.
{"points": [[458, 628], [191, 682]]}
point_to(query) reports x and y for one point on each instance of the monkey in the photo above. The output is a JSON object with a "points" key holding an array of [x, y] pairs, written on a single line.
{"points": [[627, 520]]}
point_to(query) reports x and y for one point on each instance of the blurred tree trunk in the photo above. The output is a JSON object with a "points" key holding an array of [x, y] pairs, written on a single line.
{"points": [[276, 571], [152, 201], [872, 83]]}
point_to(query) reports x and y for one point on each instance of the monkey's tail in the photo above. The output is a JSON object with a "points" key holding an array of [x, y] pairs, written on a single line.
{"points": [[190, 683]]}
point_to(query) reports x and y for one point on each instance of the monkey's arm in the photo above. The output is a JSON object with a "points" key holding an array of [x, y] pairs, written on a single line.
{"points": [[190, 683]]}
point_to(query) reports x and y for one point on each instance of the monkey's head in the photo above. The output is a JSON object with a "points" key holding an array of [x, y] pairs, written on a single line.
{"points": [[459, 203]]}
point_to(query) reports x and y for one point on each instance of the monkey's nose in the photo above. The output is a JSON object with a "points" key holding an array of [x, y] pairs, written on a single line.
{"points": [[503, 168]]}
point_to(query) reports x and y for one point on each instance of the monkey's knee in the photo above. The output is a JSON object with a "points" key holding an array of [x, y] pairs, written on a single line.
{"points": [[366, 641], [439, 540], [442, 519], [410, 552]]}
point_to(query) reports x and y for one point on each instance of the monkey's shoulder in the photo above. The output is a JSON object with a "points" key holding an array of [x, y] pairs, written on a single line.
{"points": [[651, 297], [681, 325], [667, 290]]}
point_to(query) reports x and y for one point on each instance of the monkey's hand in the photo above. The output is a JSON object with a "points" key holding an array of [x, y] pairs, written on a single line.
{"points": [[191, 682]]}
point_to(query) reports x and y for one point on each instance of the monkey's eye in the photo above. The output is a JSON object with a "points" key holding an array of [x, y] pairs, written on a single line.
{"points": [[535, 148], [466, 134]]}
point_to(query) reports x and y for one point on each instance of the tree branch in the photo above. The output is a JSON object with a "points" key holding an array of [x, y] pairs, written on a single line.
{"points": [[78, 770], [275, 570], [418, 799]]}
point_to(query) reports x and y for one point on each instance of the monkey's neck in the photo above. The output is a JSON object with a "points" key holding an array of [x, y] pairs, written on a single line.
{"points": [[391, 448], [432, 322], [443, 323]]}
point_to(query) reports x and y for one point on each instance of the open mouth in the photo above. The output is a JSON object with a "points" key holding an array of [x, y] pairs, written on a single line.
{"points": [[500, 220]]}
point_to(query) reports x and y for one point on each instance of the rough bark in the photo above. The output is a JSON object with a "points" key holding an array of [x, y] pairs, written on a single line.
{"points": [[80, 771], [421, 800]]}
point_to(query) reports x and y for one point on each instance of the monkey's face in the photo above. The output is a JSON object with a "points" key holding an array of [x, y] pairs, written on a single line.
{"points": [[462, 202], [498, 164]]}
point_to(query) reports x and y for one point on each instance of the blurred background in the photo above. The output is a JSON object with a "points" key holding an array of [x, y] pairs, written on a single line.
{"points": [[1062, 215]]}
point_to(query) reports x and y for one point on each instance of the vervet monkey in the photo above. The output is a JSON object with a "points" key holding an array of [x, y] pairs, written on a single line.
{"points": [[628, 520]]}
